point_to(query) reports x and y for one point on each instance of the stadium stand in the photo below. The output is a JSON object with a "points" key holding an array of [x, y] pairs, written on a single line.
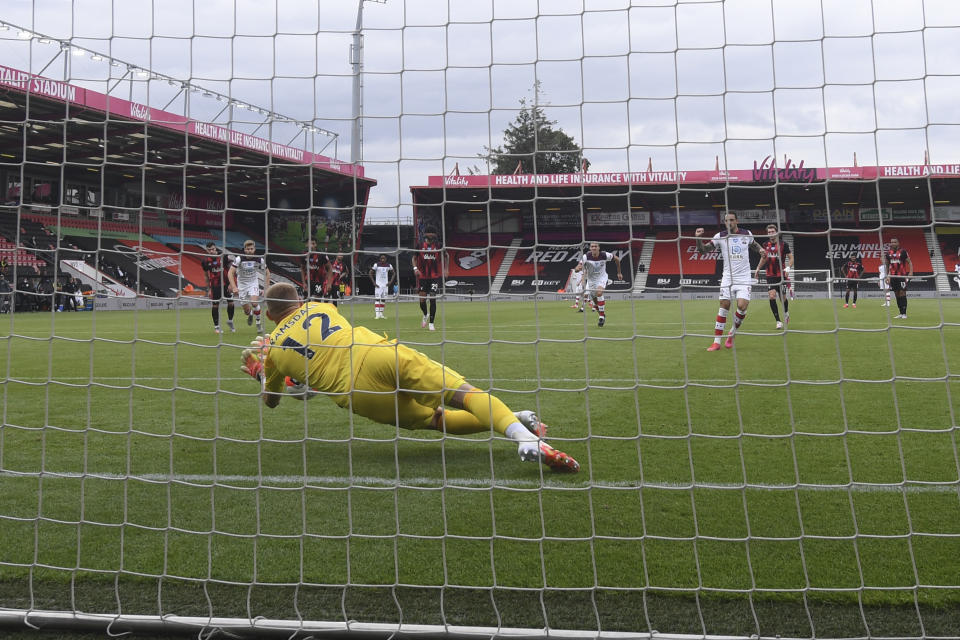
{"points": [[827, 213], [12, 255], [65, 223], [949, 240], [146, 266]]}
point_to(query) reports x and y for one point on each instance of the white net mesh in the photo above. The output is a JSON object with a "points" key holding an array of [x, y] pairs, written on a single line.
{"points": [[802, 482]]}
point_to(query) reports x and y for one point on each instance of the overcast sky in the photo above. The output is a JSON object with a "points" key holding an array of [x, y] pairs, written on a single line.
{"points": [[679, 82]]}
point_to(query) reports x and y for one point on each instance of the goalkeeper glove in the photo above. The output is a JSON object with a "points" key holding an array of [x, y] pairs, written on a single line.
{"points": [[252, 359], [252, 366]]}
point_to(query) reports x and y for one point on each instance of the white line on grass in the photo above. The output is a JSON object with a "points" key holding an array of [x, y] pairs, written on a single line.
{"points": [[695, 328], [470, 377], [520, 483]]}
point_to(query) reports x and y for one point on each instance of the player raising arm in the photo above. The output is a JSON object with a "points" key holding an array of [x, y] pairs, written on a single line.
{"points": [[734, 245], [594, 265], [379, 379], [779, 261]]}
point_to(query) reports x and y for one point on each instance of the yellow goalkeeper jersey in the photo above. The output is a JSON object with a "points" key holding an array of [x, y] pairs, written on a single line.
{"points": [[317, 344]]}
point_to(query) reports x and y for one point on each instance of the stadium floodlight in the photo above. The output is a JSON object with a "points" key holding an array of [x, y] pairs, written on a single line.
{"points": [[356, 62], [23, 34], [96, 57], [77, 51]]}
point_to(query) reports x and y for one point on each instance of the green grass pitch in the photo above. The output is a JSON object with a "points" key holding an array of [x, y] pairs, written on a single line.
{"points": [[800, 472]]}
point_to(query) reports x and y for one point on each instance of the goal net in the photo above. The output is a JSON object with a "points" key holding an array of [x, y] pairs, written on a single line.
{"points": [[811, 283], [749, 464]]}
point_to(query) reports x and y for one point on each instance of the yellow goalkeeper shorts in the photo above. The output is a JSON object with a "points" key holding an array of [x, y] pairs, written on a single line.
{"points": [[401, 386]]}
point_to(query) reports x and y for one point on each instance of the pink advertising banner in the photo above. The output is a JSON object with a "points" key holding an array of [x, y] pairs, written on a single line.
{"points": [[64, 92], [763, 171]]}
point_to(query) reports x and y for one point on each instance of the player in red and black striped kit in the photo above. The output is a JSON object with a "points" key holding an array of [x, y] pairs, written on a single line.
{"points": [[852, 270], [339, 275], [315, 273], [428, 267], [778, 260], [899, 270], [213, 267]]}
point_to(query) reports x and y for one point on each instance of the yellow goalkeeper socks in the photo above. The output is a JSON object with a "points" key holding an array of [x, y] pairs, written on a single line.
{"points": [[482, 410], [489, 410], [460, 423]]}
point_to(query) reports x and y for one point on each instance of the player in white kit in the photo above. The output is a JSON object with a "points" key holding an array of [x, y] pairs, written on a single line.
{"points": [[383, 275], [576, 286], [594, 266], [734, 245], [884, 285], [244, 276]]}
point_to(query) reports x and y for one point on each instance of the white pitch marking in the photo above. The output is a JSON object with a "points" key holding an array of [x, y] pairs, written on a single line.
{"points": [[765, 381], [423, 481]]}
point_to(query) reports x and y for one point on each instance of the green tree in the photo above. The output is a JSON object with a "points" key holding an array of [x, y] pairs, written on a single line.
{"points": [[537, 144]]}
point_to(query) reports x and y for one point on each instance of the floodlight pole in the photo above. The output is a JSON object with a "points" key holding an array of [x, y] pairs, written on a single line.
{"points": [[356, 62]]}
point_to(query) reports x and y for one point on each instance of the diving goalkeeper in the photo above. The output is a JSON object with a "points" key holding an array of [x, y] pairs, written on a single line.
{"points": [[379, 379]]}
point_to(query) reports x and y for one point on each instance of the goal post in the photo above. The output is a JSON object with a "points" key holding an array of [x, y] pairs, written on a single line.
{"points": [[745, 471]]}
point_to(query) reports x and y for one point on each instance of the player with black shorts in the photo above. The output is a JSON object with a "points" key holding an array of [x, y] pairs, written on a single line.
{"points": [[899, 271], [778, 260], [339, 275], [213, 267], [428, 267], [315, 273], [852, 270]]}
